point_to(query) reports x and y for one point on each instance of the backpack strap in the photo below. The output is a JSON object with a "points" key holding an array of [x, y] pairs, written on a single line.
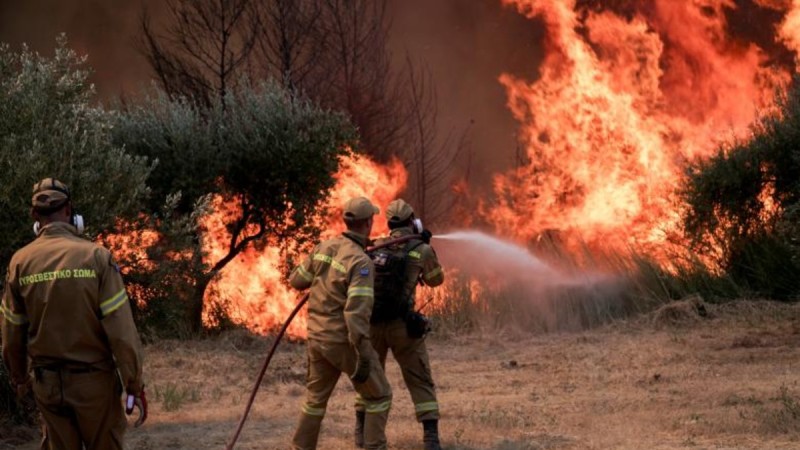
{"points": [[411, 245]]}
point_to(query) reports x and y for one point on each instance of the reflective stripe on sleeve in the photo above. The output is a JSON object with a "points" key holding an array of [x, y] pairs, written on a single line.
{"points": [[359, 401], [304, 273], [426, 407], [328, 260], [415, 254], [112, 304], [376, 408], [360, 291], [433, 273], [311, 411], [15, 319]]}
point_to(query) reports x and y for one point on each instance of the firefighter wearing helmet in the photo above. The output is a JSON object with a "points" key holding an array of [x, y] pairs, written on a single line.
{"points": [[66, 309], [396, 325], [340, 278]]}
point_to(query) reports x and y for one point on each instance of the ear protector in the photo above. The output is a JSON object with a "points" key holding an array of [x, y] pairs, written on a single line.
{"points": [[416, 224], [75, 220]]}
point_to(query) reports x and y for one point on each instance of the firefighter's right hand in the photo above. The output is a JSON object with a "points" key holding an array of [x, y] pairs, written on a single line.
{"points": [[362, 370], [426, 236], [139, 401]]}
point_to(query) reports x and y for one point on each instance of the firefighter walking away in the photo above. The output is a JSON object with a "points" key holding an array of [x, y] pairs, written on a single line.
{"points": [[66, 309], [396, 325], [340, 277]]}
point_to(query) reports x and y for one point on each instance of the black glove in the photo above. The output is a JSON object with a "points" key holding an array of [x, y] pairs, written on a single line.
{"points": [[362, 370], [426, 236]]}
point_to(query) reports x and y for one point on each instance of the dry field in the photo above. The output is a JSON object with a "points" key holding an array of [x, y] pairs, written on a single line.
{"points": [[729, 381]]}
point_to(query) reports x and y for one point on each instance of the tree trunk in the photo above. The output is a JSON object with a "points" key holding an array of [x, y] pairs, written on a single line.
{"points": [[198, 302]]}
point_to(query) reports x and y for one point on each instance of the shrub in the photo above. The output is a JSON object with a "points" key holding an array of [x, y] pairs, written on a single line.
{"points": [[743, 203]]}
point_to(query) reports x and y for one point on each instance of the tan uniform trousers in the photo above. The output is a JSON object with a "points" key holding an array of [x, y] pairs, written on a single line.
{"points": [[326, 362], [412, 357], [80, 409]]}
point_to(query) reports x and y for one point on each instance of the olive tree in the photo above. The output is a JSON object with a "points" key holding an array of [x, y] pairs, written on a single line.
{"points": [[268, 153], [49, 128]]}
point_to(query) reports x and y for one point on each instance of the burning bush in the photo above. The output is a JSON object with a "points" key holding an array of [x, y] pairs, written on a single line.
{"points": [[743, 204]]}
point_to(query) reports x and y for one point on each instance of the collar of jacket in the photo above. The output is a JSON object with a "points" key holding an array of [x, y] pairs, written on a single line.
{"points": [[402, 231], [58, 229], [359, 239]]}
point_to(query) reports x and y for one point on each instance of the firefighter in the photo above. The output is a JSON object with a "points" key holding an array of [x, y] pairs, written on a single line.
{"points": [[396, 326], [65, 307], [340, 277]]}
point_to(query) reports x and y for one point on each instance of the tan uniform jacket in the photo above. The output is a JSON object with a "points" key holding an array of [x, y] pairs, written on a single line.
{"points": [[422, 263], [65, 304], [341, 277]]}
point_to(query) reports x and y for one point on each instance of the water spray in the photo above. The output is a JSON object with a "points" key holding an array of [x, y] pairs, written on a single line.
{"points": [[303, 300]]}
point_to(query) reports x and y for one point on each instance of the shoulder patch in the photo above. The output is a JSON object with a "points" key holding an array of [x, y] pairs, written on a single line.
{"points": [[364, 272]]}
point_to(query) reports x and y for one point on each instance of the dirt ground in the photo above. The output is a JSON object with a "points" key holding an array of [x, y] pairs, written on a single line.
{"points": [[728, 381]]}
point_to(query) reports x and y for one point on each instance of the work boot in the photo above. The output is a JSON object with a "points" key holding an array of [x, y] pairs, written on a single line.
{"points": [[430, 438], [359, 432]]}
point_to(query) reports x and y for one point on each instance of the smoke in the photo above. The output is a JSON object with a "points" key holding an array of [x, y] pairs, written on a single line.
{"points": [[467, 45], [104, 31]]}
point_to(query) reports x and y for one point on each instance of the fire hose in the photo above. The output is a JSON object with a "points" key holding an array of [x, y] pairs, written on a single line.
{"points": [[279, 336]]}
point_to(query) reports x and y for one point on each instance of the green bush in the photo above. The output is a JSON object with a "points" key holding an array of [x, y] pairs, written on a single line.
{"points": [[48, 128]]}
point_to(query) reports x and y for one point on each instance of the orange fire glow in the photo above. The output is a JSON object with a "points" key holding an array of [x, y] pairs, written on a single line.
{"points": [[253, 283], [620, 106]]}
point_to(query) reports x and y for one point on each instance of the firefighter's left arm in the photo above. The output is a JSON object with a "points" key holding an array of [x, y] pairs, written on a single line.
{"points": [[14, 332], [432, 273], [360, 298], [117, 322]]}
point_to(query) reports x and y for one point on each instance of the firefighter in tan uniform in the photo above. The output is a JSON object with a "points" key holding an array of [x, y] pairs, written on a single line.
{"points": [[340, 278], [65, 307], [396, 326]]}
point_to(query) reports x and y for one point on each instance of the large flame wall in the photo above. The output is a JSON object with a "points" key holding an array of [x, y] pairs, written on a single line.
{"points": [[621, 104]]}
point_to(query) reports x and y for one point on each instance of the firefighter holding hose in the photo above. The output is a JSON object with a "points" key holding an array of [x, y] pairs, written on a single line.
{"points": [[395, 324], [65, 307], [340, 279]]}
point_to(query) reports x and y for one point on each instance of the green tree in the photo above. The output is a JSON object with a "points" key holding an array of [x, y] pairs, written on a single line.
{"points": [[269, 154], [48, 128], [743, 203]]}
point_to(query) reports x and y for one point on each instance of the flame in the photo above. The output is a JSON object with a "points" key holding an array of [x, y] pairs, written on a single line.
{"points": [[620, 106], [253, 284]]}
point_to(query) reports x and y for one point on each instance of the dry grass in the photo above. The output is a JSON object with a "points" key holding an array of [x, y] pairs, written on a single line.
{"points": [[729, 381]]}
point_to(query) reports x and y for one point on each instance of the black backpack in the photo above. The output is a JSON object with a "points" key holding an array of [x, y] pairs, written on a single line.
{"points": [[392, 301]]}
